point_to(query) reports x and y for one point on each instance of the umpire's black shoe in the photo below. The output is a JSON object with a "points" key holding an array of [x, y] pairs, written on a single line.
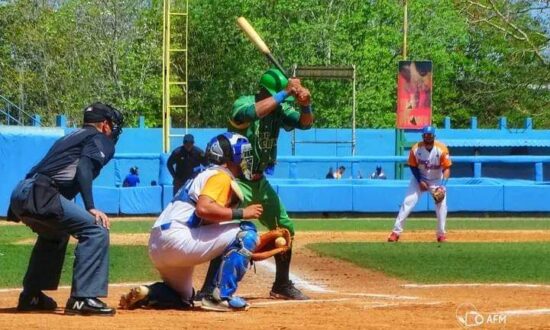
{"points": [[29, 302], [287, 291], [88, 306]]}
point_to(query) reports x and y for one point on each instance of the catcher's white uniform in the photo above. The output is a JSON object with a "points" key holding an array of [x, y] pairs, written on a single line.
{"points": [[179, 240], [431, 165]]}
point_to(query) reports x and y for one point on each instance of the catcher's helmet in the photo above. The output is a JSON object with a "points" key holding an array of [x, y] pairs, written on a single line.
{"points": [[231, 147], [274, 81], [428, 130]]}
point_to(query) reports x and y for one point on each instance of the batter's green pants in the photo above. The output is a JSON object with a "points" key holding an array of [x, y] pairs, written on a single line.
{"points": [[261, 192]]}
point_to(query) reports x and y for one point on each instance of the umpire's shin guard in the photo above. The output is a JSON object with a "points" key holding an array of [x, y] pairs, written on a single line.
{"points": [[282, 263]]}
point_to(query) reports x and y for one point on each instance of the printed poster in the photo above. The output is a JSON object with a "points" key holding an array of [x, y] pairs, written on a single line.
{"points": [[414, 94]]}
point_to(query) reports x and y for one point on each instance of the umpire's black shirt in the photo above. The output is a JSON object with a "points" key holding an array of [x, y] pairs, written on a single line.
{"points": [[185, 162], [75, 160]]}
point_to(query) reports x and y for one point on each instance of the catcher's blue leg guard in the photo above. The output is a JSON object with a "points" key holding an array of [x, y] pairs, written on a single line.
{"points": [[235, 261]]}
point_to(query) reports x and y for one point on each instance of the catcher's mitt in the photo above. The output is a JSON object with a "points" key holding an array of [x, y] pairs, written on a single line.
{"points": [[266, 248], [438, 194]]}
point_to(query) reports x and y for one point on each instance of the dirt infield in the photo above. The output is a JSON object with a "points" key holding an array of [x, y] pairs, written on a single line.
{"points": [[343, 296]]}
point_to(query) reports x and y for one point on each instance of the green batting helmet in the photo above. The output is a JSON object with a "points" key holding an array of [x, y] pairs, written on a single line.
{"points": [[274, 81]]}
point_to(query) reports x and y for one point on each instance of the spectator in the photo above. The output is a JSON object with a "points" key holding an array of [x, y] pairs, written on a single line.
{"points": [[132, 179], [330, 174], [339, 173], [185, 159], [378, 173]]}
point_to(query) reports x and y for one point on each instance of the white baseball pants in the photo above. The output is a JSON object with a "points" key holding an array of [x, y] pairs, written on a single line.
{"points": [[411, 198], [177, 250]]}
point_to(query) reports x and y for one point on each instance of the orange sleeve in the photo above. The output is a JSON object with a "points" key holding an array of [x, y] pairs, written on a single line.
{"points": [[218, 187], [445, 158], [412, 158]]}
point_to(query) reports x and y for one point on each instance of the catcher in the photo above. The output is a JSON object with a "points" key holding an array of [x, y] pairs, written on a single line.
{"points": [[430, 165], [194, 229]]}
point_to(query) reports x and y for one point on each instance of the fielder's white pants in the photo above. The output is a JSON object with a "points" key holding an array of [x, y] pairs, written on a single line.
{"points": [[176, 251], [411, 198]]}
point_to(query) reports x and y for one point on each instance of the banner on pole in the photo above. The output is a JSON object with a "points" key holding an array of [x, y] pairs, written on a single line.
{"points": [[414, 94]]}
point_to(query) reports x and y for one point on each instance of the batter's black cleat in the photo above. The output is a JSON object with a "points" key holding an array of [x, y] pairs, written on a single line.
{"points": [[35, 302], [287, 291], [88, 306]]}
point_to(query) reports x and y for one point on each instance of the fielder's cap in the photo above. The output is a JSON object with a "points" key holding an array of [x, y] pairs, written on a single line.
{"points": [[189, 138], [428, 130], [97, 112]]}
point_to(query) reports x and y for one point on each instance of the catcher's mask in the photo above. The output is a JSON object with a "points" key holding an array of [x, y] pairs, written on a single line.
{"points": [[231, 147], [98, 112], [274, 81]]}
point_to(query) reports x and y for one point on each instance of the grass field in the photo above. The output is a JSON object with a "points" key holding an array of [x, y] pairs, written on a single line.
{"points": [[126, 264], [450, 262], [419, 262]]}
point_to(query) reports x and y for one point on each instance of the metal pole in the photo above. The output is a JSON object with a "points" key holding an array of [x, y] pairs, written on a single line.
{"points": [[353, 138], [164, 104], [399, 133], [186, 66], [293, 140], [405, 28]]}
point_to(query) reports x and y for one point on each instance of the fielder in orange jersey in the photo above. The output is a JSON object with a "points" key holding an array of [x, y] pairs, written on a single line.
{"points": [[430, 164]]}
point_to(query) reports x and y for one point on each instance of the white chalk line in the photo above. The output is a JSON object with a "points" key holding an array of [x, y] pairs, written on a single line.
{"points": [[524, 312], [465, 285], [365, 304], [304, 284], [381, 296], [402, 304], [310, 301]]}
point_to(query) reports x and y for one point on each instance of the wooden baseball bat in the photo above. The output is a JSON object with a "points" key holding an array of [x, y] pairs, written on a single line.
{"points": [[258, 42]]}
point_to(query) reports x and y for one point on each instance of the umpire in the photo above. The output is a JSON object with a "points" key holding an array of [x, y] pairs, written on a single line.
{"points": [[185, 158], [43, 202]]}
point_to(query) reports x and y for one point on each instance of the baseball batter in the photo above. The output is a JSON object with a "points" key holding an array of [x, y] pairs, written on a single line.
{"points": [[430, 164], [260, 118], [194, 229]]}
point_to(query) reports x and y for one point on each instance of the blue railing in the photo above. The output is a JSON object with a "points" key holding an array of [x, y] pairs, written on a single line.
{"points": [[14, 115], [477, 161]]}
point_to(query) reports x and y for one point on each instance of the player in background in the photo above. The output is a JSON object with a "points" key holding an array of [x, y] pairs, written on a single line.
{"points": [[184, 162], [195, 228], [430, 164]]}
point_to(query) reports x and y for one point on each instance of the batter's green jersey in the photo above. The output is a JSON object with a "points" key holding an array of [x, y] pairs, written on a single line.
{"points": [[262, 133]]}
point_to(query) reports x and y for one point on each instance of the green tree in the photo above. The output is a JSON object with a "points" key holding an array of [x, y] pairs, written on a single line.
{"points": [[490, 57]]}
